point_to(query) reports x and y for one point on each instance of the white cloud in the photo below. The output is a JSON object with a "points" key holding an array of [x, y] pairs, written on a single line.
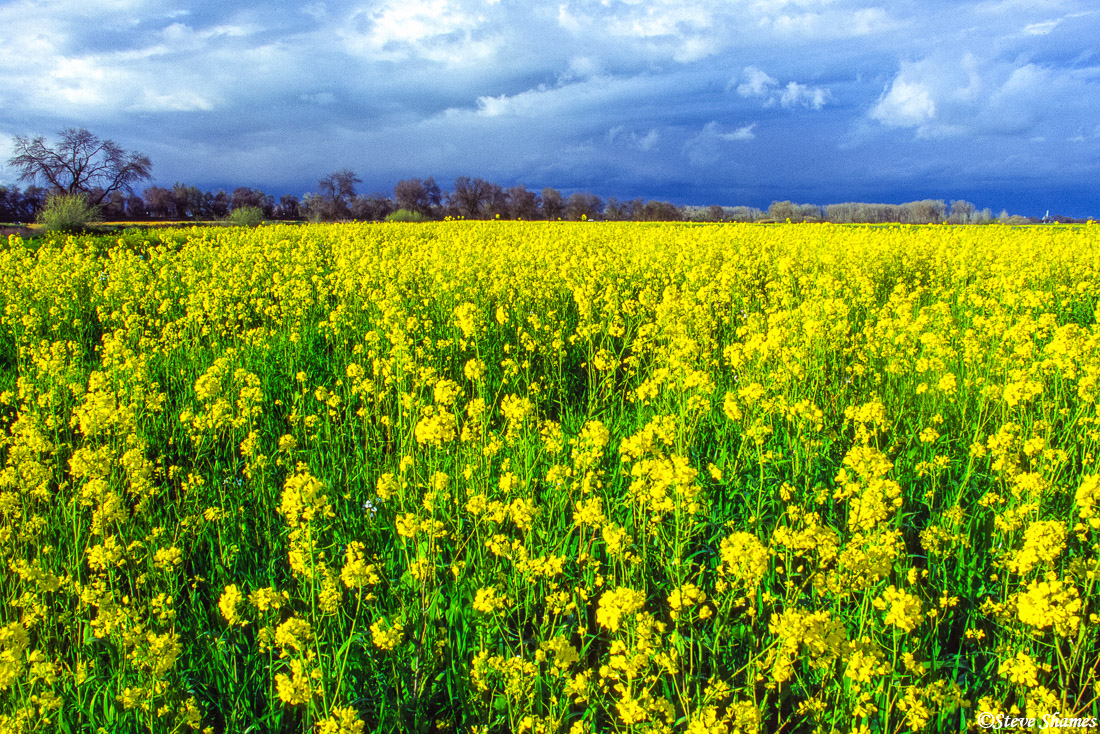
{"points": [[905, 104], [800, 95], [98, 85], [441, 31], [182, 37], [648, 141], [745, 132], [696, 49], [488, 88], [1042, 28], [568, 20], [574, 103], [78, 82], [756, 83], [808, 21], [581, 67], [970, 95], [688, 31], [497, 106], [867, 21], [660, 18], [684, 32], [633, 139], [175, 101], [709, 147]]}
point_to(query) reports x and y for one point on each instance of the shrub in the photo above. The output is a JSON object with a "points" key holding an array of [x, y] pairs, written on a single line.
{"points": [[68, 213], [246, 216], [405, 215]]}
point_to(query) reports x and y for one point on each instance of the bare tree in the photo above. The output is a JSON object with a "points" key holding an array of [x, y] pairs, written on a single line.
{"points": [[80, 164], [522, 204], [20, 206], [552, 204], [160, 202], [243, 196], [782, 210], [189, 201], [497, 205], [583, 205], [418, 196], [338, 189], [288, 207], [372, 208], [613, 210], [217, 205], [962, 212], [661, 211], [471, 197]]}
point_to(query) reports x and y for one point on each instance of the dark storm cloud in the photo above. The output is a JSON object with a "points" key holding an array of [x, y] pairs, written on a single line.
{"points": [[731, 102]]}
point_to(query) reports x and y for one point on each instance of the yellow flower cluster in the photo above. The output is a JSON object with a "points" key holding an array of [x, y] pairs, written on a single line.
{"points": [[488, 600], [903, 609], [616, 604], [1050, 603], [304, 500], [546, 477], [387, 635], [1044, 541], [343, 720]]}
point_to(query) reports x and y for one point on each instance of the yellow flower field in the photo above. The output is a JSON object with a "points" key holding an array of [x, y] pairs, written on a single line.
{"points": [[550, 477]]}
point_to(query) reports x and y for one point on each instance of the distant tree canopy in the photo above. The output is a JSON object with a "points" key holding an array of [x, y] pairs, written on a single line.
{"points": [[480, 199], [471, 197], [334, 196], [926, 211], [21, 206], [80, 163], [104, 174], [522, 204], [583, 205], [373, 208], [415, 195], [552, 205]]}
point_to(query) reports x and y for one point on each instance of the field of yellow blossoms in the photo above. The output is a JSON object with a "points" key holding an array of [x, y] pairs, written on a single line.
{"points": [[550, 478]]}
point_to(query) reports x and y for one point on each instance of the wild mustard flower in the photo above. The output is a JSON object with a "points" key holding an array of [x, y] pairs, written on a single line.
{"points": [[616, 604], [1050, 603], [304, 500], [686, 596], [589, 512], [387, 635], [301, 685], [436, 427], [488, 600], [744, 558], [229, 604], [293, 634], [357, 573], [1020, 670], [1044, 541], [343, 720], [267, 599], [532, 431], [1087, 498], [903, 609]]}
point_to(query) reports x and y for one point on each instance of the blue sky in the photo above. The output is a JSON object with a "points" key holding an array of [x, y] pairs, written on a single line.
{"points": [[695, 101]]}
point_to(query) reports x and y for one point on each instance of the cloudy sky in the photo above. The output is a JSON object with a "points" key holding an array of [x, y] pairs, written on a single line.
{"points": [[695, 101]]}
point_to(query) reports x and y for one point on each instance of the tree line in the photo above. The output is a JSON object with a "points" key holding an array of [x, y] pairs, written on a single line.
{"points": [[479, 199], [104, 175]]}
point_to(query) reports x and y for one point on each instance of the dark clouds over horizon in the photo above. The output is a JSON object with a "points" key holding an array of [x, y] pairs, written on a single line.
{"points": [[696, 101]]}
